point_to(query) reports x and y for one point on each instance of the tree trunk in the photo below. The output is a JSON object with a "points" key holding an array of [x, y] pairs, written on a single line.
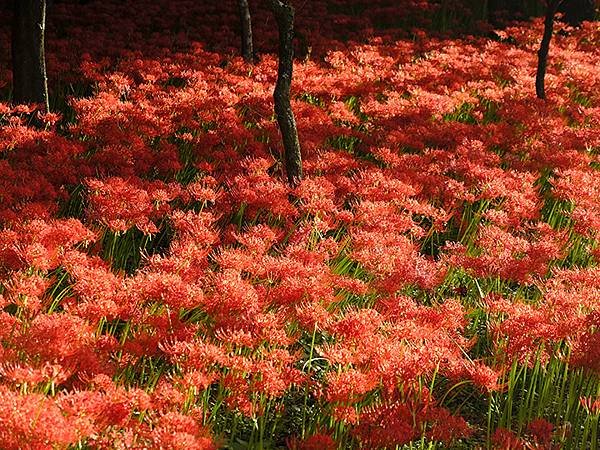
{"points": [[29, 64], [284, 15], [551, 8], [576, 11], [246, 31]]}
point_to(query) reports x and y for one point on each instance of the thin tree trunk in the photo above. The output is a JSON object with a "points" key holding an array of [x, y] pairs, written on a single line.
{"points": [[246, 31], [551, 8], [284, 15], [28, 60]]}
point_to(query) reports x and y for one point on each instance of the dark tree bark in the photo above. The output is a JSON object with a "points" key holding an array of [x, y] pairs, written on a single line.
{"points": [[28, 60], [551, 8], [576, 11], [284, 15], [246, 31]]}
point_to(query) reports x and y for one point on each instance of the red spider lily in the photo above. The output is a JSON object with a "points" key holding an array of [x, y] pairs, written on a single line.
{"points": [[430, 169]]}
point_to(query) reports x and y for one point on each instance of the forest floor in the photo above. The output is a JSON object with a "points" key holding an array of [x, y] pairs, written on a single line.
{"points": [[433, 282]]}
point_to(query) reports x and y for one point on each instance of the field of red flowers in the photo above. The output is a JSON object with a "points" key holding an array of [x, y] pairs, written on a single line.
{"points": [[433, 282]]}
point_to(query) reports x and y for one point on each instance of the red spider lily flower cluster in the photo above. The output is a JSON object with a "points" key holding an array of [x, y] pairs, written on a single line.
{"points": [[424, 158]]}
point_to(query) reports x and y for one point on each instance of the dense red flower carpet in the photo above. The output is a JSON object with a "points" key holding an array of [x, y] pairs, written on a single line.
{"points": [[434, 279]]}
